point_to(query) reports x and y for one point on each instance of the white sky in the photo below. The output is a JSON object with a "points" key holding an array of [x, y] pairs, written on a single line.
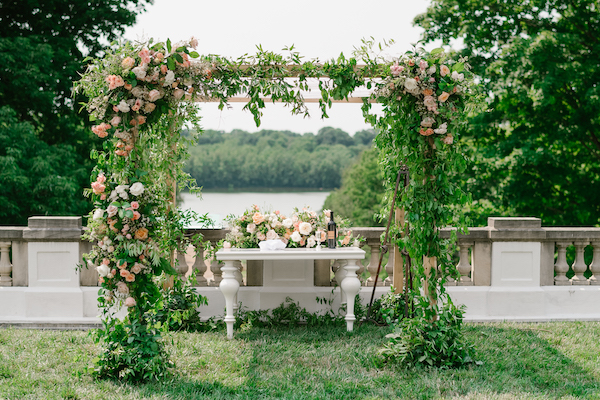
{"points": [[318, 29]]}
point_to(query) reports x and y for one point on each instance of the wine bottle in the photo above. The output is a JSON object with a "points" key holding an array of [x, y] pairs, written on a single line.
{"points": [[331, 232]]}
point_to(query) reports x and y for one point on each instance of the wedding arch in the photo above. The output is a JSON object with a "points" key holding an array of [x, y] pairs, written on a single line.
{"points": [[142, 94]]}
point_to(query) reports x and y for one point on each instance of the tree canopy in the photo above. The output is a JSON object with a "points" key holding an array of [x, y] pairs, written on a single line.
{"points": [[536, 150], [43, 45]]}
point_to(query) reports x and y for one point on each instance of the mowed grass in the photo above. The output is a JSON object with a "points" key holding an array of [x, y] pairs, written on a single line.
{"points": [[520, 361]]}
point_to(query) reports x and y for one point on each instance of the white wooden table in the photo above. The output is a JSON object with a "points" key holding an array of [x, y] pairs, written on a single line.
{"points": [[350, 284]]}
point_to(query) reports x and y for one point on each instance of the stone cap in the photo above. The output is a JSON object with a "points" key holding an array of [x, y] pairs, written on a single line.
{"points": [[514, 223], [53, 229], [8, 233]]}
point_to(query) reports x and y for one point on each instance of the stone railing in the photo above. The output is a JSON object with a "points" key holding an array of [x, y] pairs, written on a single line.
{"points": [[509, 251]]}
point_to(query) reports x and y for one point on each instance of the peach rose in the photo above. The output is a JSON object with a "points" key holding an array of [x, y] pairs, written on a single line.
{"points": [[130, 302], [127, 63], [142, 233], [137, 268], [443, 97], [257, 218], [444, 70], [130, 278]]}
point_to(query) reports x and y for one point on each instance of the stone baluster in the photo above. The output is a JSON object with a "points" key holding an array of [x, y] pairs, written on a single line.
{"points": [[238, 273], [389, 267], [5, 265], [374, 261], [561, 267], [595, 265], [215, 268], [450, 281], [182, 266], [199, 266], [579, 266], [464, 264]]}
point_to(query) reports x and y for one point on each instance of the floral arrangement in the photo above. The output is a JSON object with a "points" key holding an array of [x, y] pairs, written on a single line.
{"points": [[300, 229], [437, 85]]}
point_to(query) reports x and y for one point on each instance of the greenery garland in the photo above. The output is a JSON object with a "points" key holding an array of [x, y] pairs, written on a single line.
{"points": [[141, 94]]}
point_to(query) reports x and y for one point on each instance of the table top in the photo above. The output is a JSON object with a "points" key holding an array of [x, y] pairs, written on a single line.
{"points": [[340, 253]]}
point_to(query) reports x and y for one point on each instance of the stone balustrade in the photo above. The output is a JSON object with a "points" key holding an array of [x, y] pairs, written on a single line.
{"points": [[39, 278]]}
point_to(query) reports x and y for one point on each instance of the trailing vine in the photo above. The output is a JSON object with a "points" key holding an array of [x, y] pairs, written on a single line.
{"points": [[142, 95]]}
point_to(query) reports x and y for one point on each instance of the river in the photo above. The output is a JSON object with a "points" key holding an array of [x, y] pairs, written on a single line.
{"points": [[219, 205]]}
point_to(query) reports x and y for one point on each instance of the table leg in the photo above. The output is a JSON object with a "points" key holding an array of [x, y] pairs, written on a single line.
{"points": [[229, 287], [351, 286]]}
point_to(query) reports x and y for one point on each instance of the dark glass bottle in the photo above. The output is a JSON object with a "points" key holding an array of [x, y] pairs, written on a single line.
{"points": [[331, 232]]}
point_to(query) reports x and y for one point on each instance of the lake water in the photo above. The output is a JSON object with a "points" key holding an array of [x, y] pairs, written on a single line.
{"points": [[220, 205]]}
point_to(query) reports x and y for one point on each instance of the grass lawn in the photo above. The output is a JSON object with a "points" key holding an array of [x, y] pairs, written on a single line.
{"points": [[520, 361]]}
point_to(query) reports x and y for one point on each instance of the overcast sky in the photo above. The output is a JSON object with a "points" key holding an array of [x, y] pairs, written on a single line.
{"points": [[318, 29]]}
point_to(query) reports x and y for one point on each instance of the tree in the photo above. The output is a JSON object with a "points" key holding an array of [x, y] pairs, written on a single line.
{"points": [[536, 151], [42, 46], [361, 194]]}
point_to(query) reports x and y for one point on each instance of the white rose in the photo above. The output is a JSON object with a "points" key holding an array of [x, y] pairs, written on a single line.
{"points": [[311, 241], [123, 106], [138, 91], [226, 245], [288, 223], [410, 84], [296, 237], [98, 214], [169, 78], [136, 189], [251, 228], [272, 235], [140, 71], [442, 129], [305, 228], [431, 70], [103, 270], [457, 77]]}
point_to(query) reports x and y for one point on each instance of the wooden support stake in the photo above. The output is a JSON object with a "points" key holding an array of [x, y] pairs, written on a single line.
{"points": [[429, 263], [398, 258]]}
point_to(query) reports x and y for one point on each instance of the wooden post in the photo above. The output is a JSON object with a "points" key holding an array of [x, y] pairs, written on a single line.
{"points": [[398, 259], [429, 263]]}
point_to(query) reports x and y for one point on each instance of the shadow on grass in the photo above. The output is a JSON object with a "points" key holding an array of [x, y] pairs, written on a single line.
{"points": [[318, 363]]}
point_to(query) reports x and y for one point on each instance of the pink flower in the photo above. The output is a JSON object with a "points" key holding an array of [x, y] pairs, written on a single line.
{"points": [[429, 101], [153, 95], [136, 216], [130, 302], [426, 132], [226, 245], [163, 69], [122, 266], [141, 119], [193, 42], [130, 278], [251, 228], [114, 81], [122, 287], [100, 130], [137, 268], [135, 205], [98, 188], [158, 57], [423, 65], [127, 63], [128, 236], [112, 210], [124, 273], [145, 56], [261, 236], [137, 105], [396, 69], [103, 197], [115, 121], [272, 235]]}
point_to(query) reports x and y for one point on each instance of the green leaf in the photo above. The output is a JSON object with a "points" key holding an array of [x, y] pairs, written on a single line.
{"points": [[178, 57], [458, 67], [169, 45], [194, 54], [436, 51], [129, 213], [171, 63]]}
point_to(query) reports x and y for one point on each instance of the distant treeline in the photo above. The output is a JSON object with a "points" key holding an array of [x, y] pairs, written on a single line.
{"points": [[281, 159]]}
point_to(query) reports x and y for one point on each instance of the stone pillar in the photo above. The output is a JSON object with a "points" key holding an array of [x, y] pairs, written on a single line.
{"points": [[215, 268], [389, 267], [482, 263]]}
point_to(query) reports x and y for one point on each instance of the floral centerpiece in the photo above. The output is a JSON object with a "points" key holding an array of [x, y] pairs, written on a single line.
{"points": [[300, 229]]}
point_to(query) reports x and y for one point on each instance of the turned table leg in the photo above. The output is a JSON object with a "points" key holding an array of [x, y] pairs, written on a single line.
{"points": [[229, 287], [351, 286]]}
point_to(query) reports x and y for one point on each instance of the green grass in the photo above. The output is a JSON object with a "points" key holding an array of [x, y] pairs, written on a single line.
{"points": [[520, 361]]}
